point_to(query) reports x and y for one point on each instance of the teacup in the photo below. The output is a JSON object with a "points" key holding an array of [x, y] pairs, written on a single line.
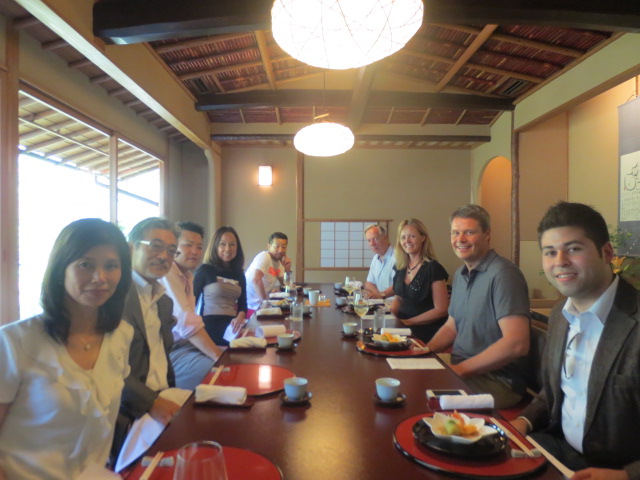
{"points": [[349, 328], [306, 290], [341, 301], [285, 340], [337, 285], [295, 387], [314, 296], [387, 388]]}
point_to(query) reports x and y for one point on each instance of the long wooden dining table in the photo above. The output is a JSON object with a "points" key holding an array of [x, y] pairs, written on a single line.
{"points": [[341, 434]]}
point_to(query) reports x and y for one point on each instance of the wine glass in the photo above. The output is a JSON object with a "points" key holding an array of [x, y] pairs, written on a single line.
{"points": [[291, 293], [361, 307], [349, 286], [200, 461]]}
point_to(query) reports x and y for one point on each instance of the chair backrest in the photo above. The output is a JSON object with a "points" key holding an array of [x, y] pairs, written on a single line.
{"points": [[538, 340]]}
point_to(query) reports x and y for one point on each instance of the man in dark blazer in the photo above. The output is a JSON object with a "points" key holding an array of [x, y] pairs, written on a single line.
{"points": [[587, 411], [153, 246]]}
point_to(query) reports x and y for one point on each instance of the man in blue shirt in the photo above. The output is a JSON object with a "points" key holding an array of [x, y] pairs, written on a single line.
{"points": [[379, 282], [586, 413]]}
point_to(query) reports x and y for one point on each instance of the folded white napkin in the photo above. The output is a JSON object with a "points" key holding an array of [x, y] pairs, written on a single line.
{"points": [[248, 342], [376, 301], [270, 330], [226, 395], [466, 402], [269, 311], [146, 430], [278, 295], [396, 331]]}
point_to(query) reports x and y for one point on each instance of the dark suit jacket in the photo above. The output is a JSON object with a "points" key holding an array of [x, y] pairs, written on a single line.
{"points": [[612, 425], [137, 398]]}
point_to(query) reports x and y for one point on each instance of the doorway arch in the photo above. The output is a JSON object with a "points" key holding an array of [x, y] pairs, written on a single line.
{"points": [[495, 196]]}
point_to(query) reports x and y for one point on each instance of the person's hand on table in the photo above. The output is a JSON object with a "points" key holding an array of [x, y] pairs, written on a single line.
{"points": [[600, 474], [163, 410], [237, 324]]}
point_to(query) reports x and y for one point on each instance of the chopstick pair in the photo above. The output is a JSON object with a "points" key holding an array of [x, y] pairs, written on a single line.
{"points": [[152, 466], [216, 375]]}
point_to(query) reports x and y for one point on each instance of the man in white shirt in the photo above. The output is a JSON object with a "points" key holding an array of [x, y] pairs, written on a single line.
{"points": [[379, 282], [193, 353], [153, 247], [586, 413], [266, 270]]}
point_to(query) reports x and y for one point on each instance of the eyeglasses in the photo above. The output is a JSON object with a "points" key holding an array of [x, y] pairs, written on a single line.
{"points": [[157, 248], [569, 365]]}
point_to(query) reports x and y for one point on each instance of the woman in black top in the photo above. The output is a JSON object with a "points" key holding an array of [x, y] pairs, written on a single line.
{"points": [[220, 286], [420, 282]]}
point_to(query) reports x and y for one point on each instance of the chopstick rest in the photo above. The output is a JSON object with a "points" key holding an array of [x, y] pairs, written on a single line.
{"points": [[165, 462]]}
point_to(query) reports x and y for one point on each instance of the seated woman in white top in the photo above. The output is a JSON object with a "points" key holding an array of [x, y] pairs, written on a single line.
{"points": [[62, 372]]}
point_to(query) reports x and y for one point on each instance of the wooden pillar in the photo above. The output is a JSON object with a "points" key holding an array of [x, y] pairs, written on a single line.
{"points": [[515, 194], [299, 263], [113, 178], [9, 138]]}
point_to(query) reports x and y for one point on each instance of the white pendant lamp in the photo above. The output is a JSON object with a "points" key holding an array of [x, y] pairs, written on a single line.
{"points": [[341, 34], [324, 139]]}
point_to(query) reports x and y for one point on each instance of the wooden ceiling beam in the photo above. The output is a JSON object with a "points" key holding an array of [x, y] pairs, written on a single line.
{"points": [[477, 66], [342, 98], [360, 95], [126, 21], [525, 42], [359, 138], [468, 53], [266, 58], [618, 16]]}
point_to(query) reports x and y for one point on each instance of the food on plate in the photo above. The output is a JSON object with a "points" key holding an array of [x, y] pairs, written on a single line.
{"points": [[388, 337], [457, 425]]}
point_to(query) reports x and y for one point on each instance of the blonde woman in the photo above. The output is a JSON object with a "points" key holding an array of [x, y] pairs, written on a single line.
{"points": [[420, 282]]}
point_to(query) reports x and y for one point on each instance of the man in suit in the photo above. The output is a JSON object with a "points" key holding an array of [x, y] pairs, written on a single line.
{"points": [[586, 413], [153, 246]]}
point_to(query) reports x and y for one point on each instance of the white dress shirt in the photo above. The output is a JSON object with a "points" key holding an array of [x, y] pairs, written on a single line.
{"points": [[584, 334], [179, 287], [158, 365], [381, 270]]}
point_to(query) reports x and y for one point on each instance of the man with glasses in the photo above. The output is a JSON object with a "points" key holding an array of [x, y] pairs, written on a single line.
{"points": [[193, 353], [587, 411], [153, 247], [379, 282]]}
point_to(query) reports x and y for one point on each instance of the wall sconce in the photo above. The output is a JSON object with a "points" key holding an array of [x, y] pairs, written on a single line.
{"points": [[265, 176]]}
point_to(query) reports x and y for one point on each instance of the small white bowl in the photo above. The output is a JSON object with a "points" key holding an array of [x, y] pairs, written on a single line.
{"points": [[337, 286], [341, 301], [436, 423]]}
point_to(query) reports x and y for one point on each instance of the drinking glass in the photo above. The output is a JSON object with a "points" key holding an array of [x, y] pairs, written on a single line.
{"points": [[287, 278], [349, 286], [361, 307], [200, 461], [291, 293]]}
